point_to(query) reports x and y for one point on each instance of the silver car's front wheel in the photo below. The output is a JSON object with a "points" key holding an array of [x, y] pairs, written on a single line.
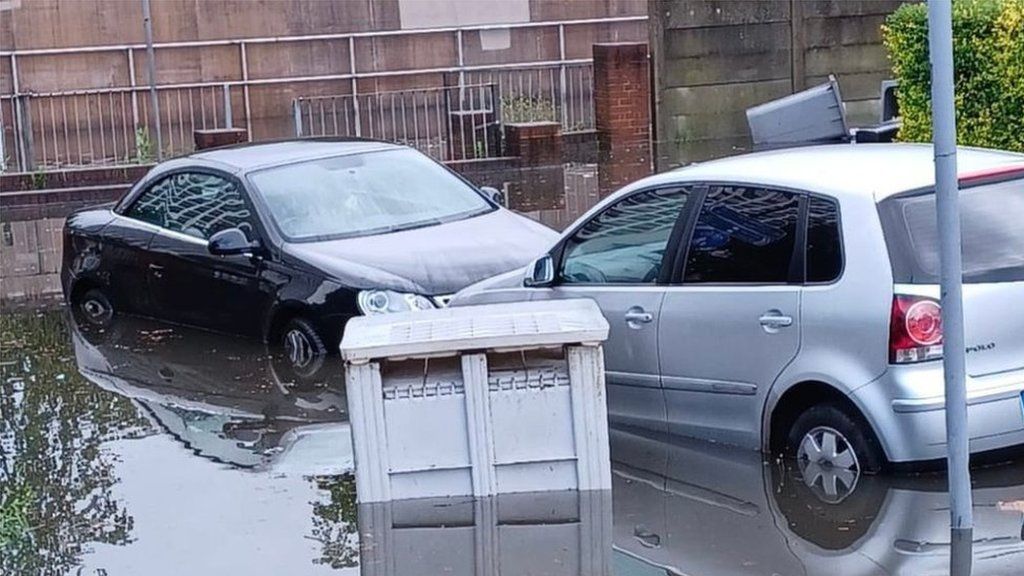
{"points": [[828, 464]]}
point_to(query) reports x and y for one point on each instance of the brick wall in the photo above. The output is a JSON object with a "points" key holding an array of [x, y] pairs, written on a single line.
{"points": [[622, 114]]}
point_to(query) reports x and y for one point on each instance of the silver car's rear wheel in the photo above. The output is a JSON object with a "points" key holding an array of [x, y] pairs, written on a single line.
{"points": [[828, 464]]}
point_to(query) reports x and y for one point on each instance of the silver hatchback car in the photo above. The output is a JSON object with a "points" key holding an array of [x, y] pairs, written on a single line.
{"points": [[788, 300]]}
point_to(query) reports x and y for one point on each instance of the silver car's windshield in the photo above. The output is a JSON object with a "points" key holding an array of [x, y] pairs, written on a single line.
{"points": [[363, 194]]}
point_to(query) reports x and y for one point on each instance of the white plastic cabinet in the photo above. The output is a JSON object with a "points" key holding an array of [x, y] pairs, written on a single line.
{"points": [[478, 400], [552, 533]]}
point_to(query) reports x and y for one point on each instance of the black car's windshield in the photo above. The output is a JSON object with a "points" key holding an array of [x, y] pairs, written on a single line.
{"points": [[363, 194]]}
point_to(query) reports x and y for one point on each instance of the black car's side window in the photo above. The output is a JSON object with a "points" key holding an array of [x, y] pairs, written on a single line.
{"points": [[824, 241], [194, 203], [151, 205], [625, 243], [743, 235]]}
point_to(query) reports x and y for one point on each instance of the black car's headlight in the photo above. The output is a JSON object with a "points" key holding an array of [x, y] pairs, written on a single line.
{"points": [[386, 301]]}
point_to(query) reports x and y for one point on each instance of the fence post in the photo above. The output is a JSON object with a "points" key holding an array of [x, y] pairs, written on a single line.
{"points": [[561, 76], [229, 121], [28, 162], [3, 139], [244, 58], [297, 113], [355, 85]]}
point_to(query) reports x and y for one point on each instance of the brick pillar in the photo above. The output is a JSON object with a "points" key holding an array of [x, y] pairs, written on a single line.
{"points": [[538, 145], [622, 114]]}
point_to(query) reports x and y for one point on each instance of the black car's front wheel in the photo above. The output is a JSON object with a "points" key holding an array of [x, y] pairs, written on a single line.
{"points": [[303, 347]]}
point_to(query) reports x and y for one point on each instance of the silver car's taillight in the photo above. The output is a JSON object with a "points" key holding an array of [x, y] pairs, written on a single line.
{"points": [[915, 329]]}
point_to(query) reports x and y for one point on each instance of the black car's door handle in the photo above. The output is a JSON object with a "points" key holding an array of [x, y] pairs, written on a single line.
{"points": [[156, 270]]}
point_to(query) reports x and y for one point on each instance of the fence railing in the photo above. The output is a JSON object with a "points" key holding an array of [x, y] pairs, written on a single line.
{"points": [[447, 123], [562, 93], [112, 126], [527, 91]]}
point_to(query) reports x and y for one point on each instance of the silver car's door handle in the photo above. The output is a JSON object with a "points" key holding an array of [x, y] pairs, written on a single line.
{"points": [[639, 317], [773, 320], [780, 321]]}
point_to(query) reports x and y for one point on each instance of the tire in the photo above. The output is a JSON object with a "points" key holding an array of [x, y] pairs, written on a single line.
{"points": [[822, 441], [94, 308], [828, 525], [304, 349]]}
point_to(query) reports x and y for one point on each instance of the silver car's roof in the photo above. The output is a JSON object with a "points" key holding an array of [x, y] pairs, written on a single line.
{"points": [[878, 170]]}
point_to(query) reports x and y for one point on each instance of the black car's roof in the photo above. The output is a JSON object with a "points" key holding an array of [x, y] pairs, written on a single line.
{"points": [[246, 157]]}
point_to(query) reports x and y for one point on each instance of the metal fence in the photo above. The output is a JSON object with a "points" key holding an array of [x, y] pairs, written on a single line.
{"points": [[457, 122], [447, 123], [39, 131], [113, 126], [562, 93]]}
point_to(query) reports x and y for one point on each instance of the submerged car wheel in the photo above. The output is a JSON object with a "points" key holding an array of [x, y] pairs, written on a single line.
{"points": [[303, 347], [822, 521], [832, 450], [94, 308]]}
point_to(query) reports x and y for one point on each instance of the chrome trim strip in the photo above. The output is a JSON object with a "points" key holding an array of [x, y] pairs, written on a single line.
{"points": [[632, 379], [709, 386], [164, 231], [995, 394]]}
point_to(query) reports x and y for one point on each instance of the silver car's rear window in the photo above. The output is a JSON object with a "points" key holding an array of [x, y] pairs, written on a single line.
{"points": [[992, 217]]}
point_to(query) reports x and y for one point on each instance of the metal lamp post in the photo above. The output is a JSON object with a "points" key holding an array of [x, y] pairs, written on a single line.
{"points": [[940, 39]]}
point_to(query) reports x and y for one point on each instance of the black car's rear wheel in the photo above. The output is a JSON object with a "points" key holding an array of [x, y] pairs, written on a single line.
{"points": [[94, 308], [304, 349]]}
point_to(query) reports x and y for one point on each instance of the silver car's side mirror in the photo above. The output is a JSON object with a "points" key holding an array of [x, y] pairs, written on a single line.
{"points": [[540, 273]]}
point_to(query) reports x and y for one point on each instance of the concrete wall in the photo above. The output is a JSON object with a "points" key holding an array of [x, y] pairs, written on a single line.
{"points": [[713, 59]]}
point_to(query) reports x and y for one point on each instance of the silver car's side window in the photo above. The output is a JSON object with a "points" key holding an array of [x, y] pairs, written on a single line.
{"points": [[824, 241], [625, 243], [744, 235], [193, 203]]}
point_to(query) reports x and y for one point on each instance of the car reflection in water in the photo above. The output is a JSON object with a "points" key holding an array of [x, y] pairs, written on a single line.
{"points": [[678, 506], [689, 507], [230, 401]]}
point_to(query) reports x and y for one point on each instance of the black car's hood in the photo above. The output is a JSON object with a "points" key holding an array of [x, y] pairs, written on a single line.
{"points": [[432, 260]]}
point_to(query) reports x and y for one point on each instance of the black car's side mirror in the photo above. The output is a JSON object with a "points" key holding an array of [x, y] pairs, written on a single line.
{"points": [[494, 195], [231, 241], [540, 273]]}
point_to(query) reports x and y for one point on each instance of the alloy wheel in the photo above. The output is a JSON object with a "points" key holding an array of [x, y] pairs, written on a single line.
{"points": [[828, 464], [96, 310], [299, 348]]}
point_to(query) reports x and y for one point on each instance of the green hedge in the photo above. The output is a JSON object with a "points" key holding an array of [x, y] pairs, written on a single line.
{"points": [[988, 55]]}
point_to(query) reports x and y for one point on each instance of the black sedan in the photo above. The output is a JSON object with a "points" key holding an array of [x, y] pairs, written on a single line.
{"points": [[286, 241]]}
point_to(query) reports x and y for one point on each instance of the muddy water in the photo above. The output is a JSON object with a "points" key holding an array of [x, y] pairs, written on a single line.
{"points": [[158, 450], [152, 449]]}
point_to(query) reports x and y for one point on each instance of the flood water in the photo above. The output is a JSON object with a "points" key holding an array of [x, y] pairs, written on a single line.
{"points": [[153, 449]]}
